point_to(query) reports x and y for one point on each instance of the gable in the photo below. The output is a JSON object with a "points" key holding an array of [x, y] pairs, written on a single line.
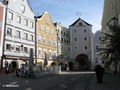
{"points": [[22, 7], [45, 16], [80, 23]]}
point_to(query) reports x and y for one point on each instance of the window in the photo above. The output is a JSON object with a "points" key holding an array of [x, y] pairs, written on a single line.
{"points": [[31, 24], [65, 48], [31, 37], [58, 38], [96, 46], [18, 34], [18, 19], [10, 15], [58, 30], [112, 5], [39, 53], [22, 8], [42, 27], [75, 48], [64, 33], [75, 30], [44, 40], [25, 49], [47, 21], [85, 47], [67, 41], [52, 32], [39, 39], [68, 48], [47, 29], [25, 22], [85, 30], [18, 48], [62, 47], [100, 38], [50, 54], [9, 31], [75, 39], [62, 39], [85, 38], [50, 42], [8, 47], [25, 36], [61, 32], [80, 23]]}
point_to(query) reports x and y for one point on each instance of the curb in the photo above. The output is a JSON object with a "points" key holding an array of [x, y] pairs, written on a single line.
{"points": [[91, 83]]}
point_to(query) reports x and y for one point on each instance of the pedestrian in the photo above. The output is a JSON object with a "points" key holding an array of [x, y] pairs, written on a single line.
{"points": [[17, 72], [99, 73]]}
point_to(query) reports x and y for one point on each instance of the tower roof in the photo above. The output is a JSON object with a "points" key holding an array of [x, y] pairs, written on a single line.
{"points": [[82, 20]]}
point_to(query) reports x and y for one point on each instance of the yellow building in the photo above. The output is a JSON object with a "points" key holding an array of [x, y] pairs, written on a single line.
{"points": [[111, 16], [46, 39], [64, 46]]}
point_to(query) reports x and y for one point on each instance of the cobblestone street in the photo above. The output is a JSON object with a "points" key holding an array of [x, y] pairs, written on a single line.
{"points": [[63, 81]]}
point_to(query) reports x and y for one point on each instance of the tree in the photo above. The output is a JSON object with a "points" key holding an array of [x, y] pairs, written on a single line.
{"points": [[111, 52]]}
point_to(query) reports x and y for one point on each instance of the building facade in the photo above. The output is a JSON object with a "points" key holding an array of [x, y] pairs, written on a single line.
{"points": [[2, 22], [111, 16], [19, 33], [64, 46], [80, 36], [46, 39], [96, 45]]}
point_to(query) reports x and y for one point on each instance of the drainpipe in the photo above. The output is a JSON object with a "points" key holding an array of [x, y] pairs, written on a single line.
{"points": [[35, 38]]}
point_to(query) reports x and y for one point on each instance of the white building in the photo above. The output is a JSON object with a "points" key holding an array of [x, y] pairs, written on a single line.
{"points": [[80, 35], [19, 33], [96, 45]]}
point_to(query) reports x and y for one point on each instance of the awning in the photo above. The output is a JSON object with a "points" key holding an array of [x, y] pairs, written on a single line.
{"points": [[16, 57]]}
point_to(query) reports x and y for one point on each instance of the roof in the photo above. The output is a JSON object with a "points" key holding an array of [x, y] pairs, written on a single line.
{"points": [[82, 20]]}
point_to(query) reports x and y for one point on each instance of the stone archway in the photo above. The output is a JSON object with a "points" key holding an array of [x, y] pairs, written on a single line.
{"points": [[82, 62], [12, 66], [53, 63]]}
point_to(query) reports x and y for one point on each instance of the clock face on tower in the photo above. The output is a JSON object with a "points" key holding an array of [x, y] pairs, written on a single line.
{"points": [[80, 23]]}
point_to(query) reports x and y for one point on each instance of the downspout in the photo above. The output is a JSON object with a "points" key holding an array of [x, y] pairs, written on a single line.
{"points": [[35, 39]]}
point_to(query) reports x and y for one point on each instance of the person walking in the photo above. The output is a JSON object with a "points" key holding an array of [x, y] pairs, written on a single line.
{"points": [[99, 73]]}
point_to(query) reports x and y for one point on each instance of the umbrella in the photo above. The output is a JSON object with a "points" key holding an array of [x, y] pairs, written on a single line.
{"points": [[45, 61], [31, 57]]}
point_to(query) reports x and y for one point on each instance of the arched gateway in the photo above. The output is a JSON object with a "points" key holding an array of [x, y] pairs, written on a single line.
{"points": [[82, 62]]}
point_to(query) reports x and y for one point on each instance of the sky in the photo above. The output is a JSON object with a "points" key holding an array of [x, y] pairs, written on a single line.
{"points": [[65, 11]]}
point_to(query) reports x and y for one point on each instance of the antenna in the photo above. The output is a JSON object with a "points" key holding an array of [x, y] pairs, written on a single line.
{"points": [[78, 14]]}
